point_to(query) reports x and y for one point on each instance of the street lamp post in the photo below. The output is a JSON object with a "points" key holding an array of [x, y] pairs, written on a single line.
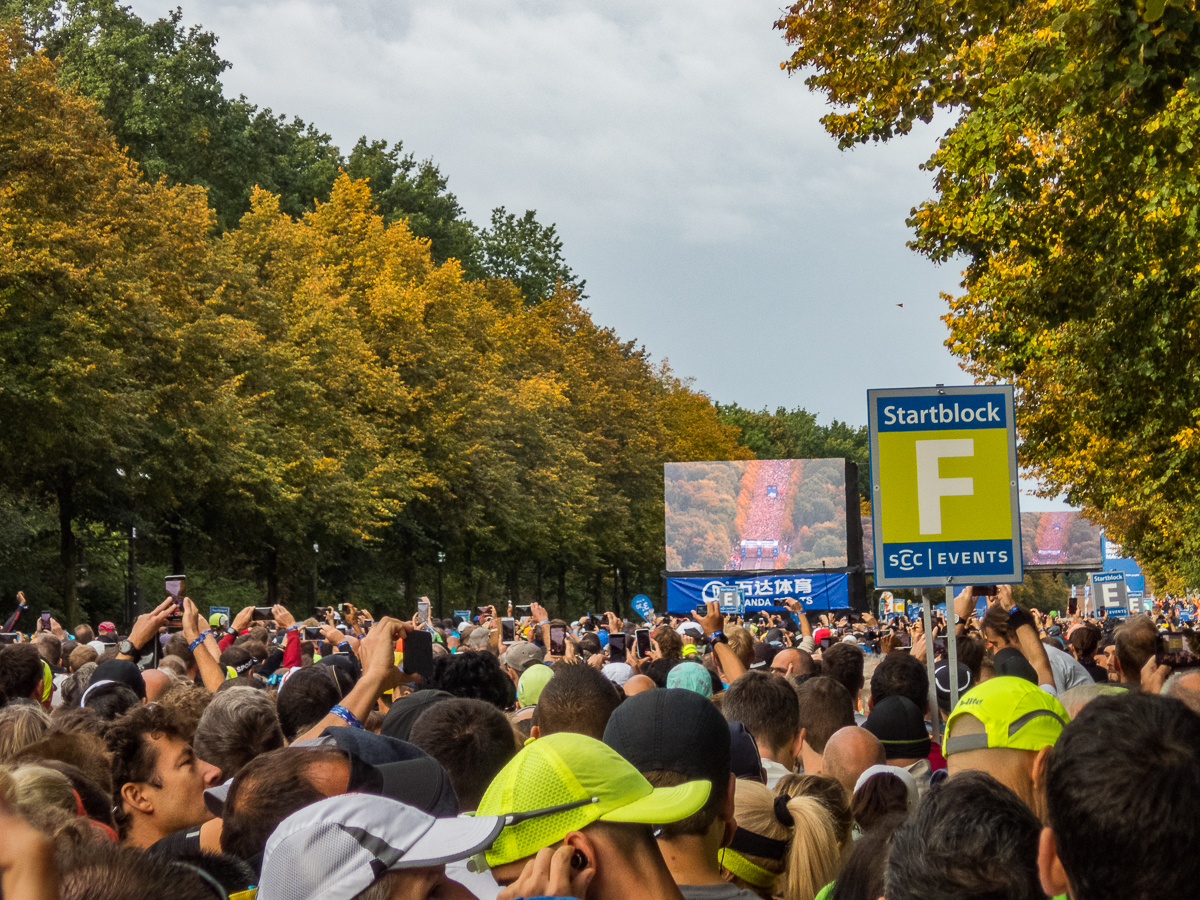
{"points": [[316, 563], [441, 557]]}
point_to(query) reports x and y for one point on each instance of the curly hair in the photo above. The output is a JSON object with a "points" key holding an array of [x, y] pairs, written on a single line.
{"points": [[476, 675], [135, 757]]}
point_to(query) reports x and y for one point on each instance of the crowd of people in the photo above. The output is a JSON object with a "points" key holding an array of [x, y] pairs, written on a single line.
{"points": [[721, 759]]}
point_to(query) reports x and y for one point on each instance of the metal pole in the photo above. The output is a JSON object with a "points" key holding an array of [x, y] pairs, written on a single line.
{"points": [[952, 644], [934, 715]]}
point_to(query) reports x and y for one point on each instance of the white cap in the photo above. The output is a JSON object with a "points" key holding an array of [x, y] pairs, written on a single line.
{"points": [[692, 628], [617, 672], [338, 847]]}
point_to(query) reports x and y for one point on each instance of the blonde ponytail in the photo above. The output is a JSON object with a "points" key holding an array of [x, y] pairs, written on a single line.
{"points": [[814, 853]]}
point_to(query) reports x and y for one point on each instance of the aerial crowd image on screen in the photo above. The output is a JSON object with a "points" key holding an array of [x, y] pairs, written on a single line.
{"points": [[755, 514]]}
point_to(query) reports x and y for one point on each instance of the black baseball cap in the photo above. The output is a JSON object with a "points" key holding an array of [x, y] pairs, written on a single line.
{"points": [[1010, 661], [900, 727], [672, 730], [121, 671], [744, 758]]}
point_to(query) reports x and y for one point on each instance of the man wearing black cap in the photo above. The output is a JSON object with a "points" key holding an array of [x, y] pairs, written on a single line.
{"points": [[900, 727], [671, 737]]}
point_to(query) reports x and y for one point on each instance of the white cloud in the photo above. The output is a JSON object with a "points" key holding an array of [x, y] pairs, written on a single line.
{"points": [[690, 180]]}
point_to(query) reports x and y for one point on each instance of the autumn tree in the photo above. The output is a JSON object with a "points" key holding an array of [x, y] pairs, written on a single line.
{"points": [[1067, 183]]}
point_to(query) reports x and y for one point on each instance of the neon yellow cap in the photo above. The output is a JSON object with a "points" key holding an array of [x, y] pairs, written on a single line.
{"points": [[529, 687], [47, 682], [567, 768], [1015, 714]]}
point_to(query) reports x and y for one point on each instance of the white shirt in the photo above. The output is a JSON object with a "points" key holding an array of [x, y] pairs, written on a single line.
{"points": [[775, 771], [1068, 671]]}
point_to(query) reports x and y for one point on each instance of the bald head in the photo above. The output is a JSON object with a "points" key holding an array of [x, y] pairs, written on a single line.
{"points": [[157, 681], [849, 753], [635, 684]]}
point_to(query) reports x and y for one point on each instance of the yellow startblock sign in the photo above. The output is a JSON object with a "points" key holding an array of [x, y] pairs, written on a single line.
{"points": [[944, 486]]}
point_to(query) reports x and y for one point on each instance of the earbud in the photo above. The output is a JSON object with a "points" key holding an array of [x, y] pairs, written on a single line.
{"points": [[579, 862]]}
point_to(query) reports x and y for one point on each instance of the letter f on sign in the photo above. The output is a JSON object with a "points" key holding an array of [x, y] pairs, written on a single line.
{"points": [[931, 487]]}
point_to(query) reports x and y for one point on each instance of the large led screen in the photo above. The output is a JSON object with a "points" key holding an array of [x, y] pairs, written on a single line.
{"points": [[753, 515]]}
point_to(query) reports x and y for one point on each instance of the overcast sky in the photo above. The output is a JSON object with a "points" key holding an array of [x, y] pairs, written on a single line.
{"points": [[690, 179]]}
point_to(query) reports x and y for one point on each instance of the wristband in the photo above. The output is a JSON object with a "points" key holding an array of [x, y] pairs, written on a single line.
{"points": [[293, 628], [717, 637], [1018, 617], [198, 641], [346, 716], [345, 647]]}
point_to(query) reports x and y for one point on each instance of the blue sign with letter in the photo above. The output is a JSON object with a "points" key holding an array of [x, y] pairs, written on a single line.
{"points": [[819, 592], [643, 607]]}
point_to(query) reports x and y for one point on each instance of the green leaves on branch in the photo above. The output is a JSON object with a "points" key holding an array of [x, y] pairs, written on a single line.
{"points": [[1067, 184]]}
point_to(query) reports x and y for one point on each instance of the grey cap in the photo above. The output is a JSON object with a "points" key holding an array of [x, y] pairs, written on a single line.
{"points": [[521, 655]]}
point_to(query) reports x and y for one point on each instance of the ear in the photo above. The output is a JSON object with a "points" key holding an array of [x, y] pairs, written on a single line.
{"points": [[799, 742], [870, 704], [725, 810], [581, 878], [1050, 869], [535, 732], [134, 798], [1041, 763]]}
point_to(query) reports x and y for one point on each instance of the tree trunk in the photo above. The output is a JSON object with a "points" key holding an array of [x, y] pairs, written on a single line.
{"points": [[562, 590], [68, 553], [540, 600], [176, 546], [272, 576], [514, 584]]}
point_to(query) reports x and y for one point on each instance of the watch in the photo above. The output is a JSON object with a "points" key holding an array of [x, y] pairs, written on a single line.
{"points": [[126, 648], [717, 637]]}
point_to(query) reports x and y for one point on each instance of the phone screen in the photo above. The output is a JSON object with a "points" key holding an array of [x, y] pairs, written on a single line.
{"points": [[174, 585], [312, 633], [558, 641], [642, 636], [507, 630], [262, 614], [616, 646], [418, 654], [423, 612], [174, 623], [9, 637], [45, 620]]}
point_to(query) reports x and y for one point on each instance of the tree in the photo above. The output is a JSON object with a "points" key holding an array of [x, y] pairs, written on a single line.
{"points": [[527, 253], [1068, 182], [100, 270]]}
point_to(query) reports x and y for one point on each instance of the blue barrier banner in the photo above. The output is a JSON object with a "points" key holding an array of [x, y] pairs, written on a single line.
{"points": [[819, 592]]}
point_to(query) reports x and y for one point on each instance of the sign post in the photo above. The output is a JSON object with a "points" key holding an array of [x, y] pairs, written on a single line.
{"points": [[944, 498]]}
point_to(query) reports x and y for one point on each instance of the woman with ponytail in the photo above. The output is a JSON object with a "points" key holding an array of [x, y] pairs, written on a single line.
{"points": [[784, 846]]}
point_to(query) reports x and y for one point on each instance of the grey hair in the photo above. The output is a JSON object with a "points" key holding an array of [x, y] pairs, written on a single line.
{"points": [[1080, 696], [238, 725], [73, 686], [479, 639], [173, 665]]}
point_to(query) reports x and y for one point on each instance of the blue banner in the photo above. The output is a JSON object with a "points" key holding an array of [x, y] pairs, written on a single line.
{"points": [[817, 592], [644, 608], [957, 559], [929, 413]]}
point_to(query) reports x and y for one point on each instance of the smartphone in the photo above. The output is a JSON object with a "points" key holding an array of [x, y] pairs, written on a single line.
{"points": [[616, 646], [1175, 650], [825, 642], [312, 633], [558, 641], [418, 654], [423, 612], [702, 609], [9, 637], [263, 614], [174, 623], [983, 590], [508, 630], [45, 620], [641, 638], [174, 585]]}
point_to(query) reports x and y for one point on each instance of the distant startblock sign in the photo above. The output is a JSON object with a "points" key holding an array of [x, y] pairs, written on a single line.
{"points": [[1110, 592], [944, 486]]}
